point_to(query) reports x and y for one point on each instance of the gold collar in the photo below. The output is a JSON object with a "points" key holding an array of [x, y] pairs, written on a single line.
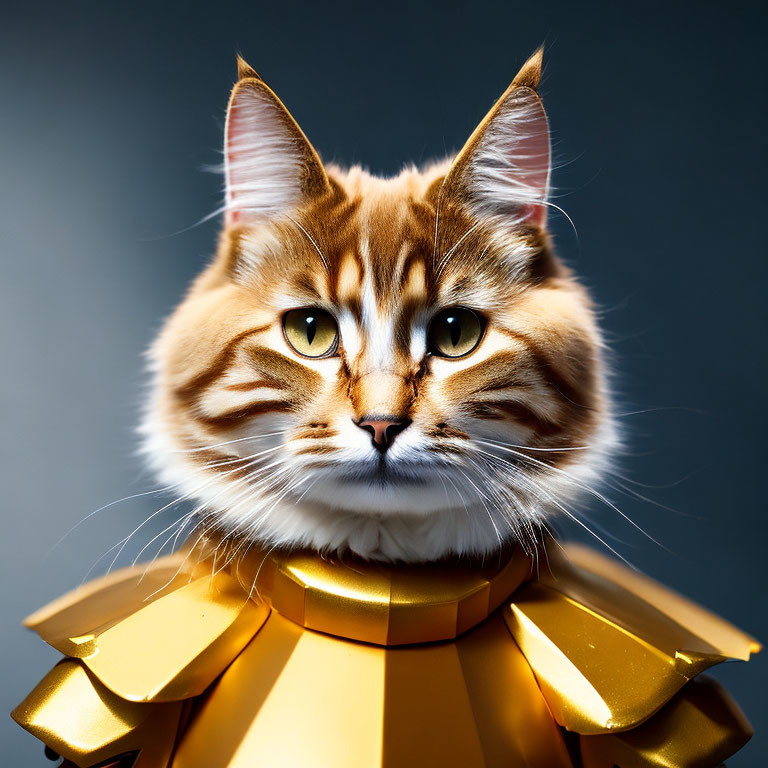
{"points": [[382, 603]]}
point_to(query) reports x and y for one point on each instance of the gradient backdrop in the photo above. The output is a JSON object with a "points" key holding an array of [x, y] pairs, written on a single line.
{"points": [[109, 112]]}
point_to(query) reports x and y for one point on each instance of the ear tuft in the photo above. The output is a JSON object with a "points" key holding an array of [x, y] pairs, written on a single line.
{"points": [[530, 73], [245, 70]]}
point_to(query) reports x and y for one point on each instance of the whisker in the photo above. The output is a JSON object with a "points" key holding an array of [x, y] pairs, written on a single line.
{"points": [[101, 509], [453, 248], [574, 518], [577, 482], [488, 512], [120, 546], [214, 464], [659, 409], [311, 240], [229, 442], [158, 535]]}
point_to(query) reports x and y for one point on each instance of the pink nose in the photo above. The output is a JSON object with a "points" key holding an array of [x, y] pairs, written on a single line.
{"points": [[383, 429]]}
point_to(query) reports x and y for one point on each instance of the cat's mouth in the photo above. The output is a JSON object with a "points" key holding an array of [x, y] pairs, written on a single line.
{"points": [[386, 473], [386, 487]]}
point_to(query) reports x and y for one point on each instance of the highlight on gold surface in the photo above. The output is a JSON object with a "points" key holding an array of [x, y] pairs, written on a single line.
{"points": [[701, 725], [581, 627], [74, 714]]}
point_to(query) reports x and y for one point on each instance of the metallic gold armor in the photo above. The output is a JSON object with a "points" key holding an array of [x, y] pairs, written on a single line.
{"points": [[298, 661]]}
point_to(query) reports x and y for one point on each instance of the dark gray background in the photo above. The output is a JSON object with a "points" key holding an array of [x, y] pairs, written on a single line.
{"points": [[108, 112]]}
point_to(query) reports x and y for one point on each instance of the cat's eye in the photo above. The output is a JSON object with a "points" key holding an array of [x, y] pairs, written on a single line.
{"points": [[455, 332], [311, 332]]}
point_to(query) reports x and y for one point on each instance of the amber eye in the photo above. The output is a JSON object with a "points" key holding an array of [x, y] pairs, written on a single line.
{"points": [[455, 332], [311, 332]]}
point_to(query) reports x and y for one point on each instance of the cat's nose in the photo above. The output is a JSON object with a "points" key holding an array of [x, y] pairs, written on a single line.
{"points": [[383, 429]]}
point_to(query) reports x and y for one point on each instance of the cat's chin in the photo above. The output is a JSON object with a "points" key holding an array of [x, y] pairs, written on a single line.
{"points": [[415, 489], [412, 535], [375, 495]]}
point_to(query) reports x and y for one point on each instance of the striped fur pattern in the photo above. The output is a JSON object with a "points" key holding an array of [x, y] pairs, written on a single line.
{"points": [[267, 442]]}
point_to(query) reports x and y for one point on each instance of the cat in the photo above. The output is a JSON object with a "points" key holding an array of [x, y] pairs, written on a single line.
{"points": [[399, 368]]}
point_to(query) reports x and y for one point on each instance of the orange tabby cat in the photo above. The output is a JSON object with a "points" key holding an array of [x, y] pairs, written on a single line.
{"points": [[402, 367]]}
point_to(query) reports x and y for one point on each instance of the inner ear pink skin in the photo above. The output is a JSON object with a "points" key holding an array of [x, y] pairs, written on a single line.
{"points": [[533, 155], [535, 215]]}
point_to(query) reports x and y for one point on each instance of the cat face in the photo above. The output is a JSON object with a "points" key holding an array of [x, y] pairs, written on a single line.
{"points": [[400, 367]]}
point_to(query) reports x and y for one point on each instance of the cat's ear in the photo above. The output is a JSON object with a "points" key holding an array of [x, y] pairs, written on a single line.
{"points": [[271, 168], [245, 70], [503, 169]]}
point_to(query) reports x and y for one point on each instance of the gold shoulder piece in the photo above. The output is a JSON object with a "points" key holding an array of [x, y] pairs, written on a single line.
{"points": [[106, 600], [728, 639], [156, 634], [701, 725], [590, 622], [75, 715]]}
